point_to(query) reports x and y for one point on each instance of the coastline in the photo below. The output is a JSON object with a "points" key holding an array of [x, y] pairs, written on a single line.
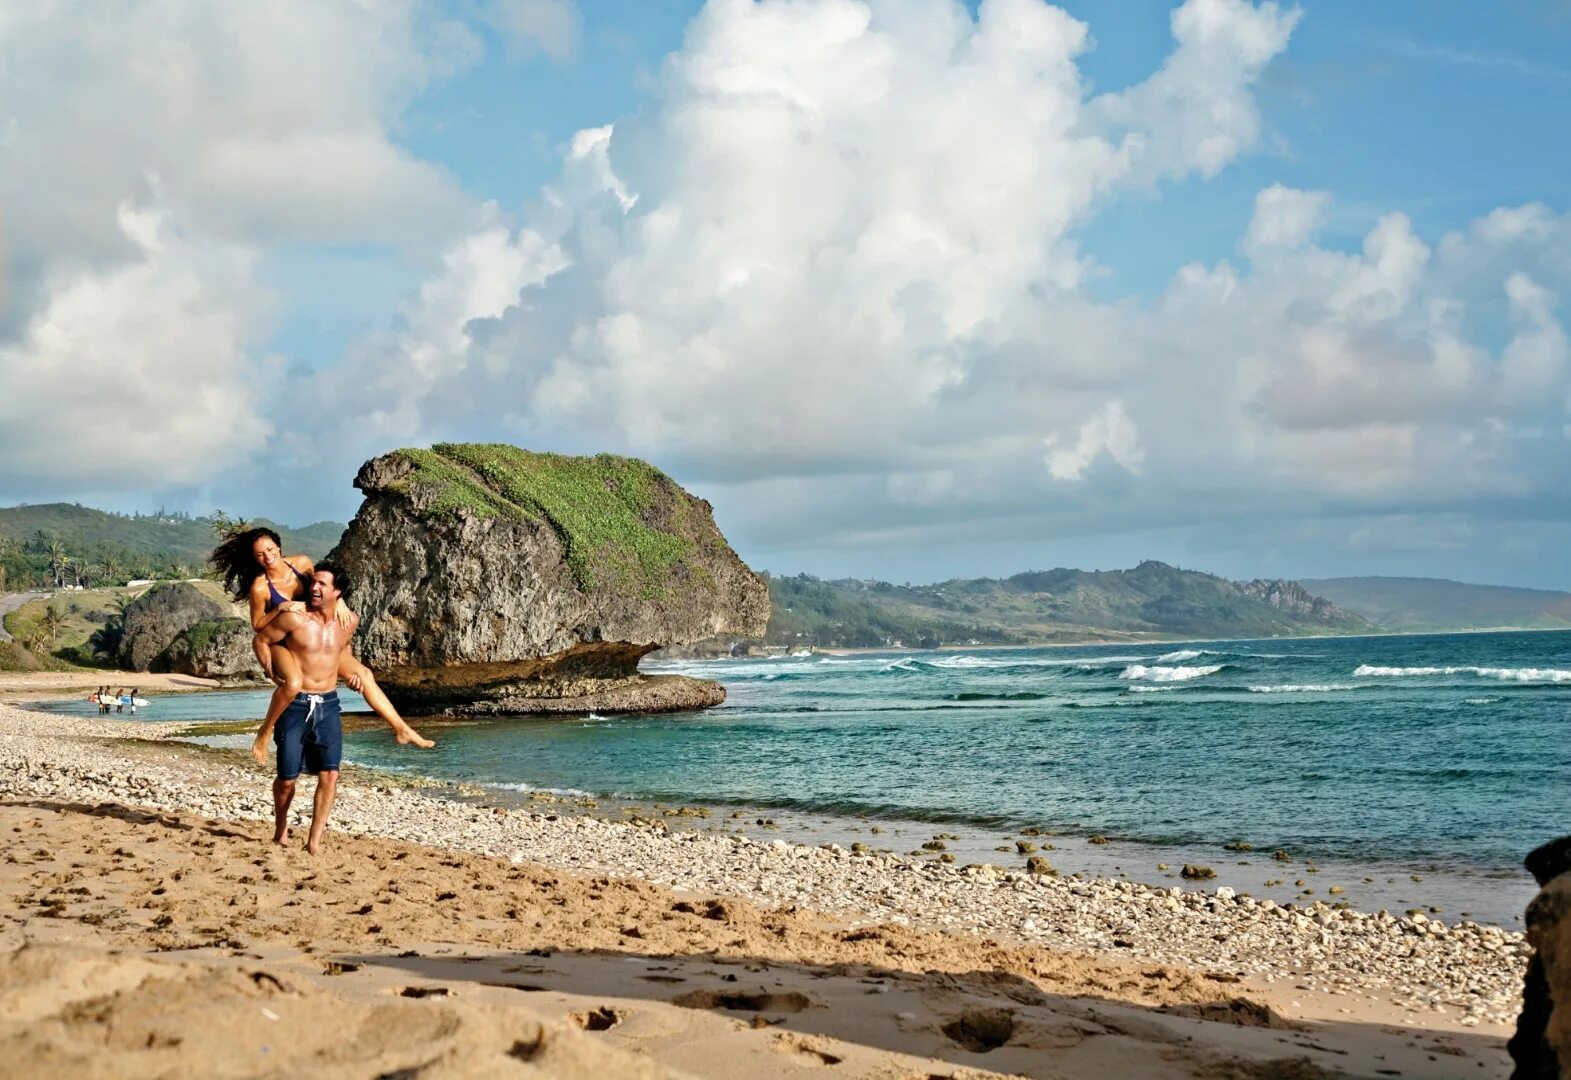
{"points": [[1347, 975]]}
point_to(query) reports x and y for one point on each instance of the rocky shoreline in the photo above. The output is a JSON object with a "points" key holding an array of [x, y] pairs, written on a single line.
{"points": [[1458, 973]]}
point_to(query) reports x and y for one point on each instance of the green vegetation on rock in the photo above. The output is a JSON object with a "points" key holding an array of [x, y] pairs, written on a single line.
{"points": [[621, 521]]}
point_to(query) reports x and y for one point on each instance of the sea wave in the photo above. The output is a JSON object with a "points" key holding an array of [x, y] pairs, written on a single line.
{"points": [[1169, 674], [1180, 656], [1151, 689], [1504, 674], [1310, 688]]}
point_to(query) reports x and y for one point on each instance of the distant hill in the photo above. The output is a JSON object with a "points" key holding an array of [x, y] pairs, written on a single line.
{"points": [[1153, 600], [1397, 603], [141, 545]]}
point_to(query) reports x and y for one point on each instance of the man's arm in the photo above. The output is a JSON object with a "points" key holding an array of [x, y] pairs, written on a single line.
{"points": [[283, 624]]}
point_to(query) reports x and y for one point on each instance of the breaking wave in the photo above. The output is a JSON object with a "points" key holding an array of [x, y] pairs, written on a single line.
{"points": [[1504, 674], [1155, 673], [1180, 656], [1313, 688]]}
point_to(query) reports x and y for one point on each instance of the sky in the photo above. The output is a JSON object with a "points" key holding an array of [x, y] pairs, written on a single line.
{"points": [[908, 289]]}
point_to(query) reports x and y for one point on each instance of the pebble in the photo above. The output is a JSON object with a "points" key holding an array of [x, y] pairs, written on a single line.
{"points": [[1415, 960]]}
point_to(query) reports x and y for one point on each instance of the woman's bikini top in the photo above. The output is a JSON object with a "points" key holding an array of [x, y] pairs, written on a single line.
{"points": [[274, 597]]}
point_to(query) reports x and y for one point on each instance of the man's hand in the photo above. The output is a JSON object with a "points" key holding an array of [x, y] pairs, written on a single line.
{"points": [[354, 682]]}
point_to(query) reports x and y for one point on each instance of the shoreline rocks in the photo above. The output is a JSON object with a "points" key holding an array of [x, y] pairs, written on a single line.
{"points": [[1471, 972]]}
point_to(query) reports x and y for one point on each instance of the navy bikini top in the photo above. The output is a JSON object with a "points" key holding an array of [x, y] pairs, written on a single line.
{"points": [[274, 597]]}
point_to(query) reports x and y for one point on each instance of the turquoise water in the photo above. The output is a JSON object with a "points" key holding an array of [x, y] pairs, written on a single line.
{"points": [[1451, 750]]}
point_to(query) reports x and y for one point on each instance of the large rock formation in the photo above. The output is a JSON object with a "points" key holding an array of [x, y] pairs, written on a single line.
{"points": [[213, 649], [1541, 1046], [494, 580], [153, 620]]}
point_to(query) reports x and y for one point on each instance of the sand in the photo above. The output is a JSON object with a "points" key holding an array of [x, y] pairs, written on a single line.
{"points": [[144, 942]]}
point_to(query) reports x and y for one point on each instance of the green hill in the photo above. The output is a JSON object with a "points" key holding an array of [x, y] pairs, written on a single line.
{"points": [[1427, 604], [1153, 600], [112, 548]]}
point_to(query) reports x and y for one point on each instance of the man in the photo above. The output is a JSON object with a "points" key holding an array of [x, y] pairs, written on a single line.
{"points": [[310, 733]]}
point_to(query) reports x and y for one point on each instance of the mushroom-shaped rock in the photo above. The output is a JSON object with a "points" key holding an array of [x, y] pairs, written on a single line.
{"points": [[494, 580]]}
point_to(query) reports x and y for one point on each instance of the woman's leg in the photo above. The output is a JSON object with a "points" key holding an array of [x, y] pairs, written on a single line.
{"points": [[286, 673], [354, 672]]}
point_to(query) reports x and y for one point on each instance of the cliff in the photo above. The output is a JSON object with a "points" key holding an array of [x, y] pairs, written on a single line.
{"points": [[491, 579]]}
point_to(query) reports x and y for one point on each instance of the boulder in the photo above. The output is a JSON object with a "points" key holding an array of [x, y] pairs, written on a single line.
{"points": [[494, 580], [1541, 1046], [213, 649], [153, 620]]}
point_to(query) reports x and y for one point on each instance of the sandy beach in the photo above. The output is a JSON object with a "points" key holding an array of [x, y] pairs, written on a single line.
{"points": [[151, 930]]}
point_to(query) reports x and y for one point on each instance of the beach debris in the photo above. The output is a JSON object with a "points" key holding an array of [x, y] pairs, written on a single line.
{"points": [[1195, 872]]}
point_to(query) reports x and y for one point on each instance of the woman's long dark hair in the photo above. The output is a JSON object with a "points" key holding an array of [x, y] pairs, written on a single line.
{"points": [[235, 560]]}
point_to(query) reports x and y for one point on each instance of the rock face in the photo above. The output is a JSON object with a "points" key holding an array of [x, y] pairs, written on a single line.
{"points": [[212, 649], [493, 580], [153, 620], [1541, 1046], [1292, 597]]}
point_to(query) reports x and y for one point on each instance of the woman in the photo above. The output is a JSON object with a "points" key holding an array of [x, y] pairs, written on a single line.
{"points": [[256, 570]]}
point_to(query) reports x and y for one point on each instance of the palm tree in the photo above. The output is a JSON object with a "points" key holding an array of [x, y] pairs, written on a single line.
{"points": [[114, 573], [224, 526], [58, 562], [41, 637]]}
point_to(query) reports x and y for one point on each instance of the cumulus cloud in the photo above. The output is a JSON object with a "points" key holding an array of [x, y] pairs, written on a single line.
{"points": [[833, 266], [840, 220], [152, 154], [832, 269], [138, 375]]}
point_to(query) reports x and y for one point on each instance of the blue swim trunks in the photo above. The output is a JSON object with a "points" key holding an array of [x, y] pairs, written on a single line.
{"points": [[310, 733]]}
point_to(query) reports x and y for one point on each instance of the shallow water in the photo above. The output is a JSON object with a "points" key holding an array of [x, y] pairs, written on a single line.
{"points": [[1450, 753]]}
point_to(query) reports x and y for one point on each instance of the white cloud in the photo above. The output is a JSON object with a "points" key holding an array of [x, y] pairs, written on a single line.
{"points": [[833, 265], [139, 375], [1109, 431], [247, 127], [1285, 219]]}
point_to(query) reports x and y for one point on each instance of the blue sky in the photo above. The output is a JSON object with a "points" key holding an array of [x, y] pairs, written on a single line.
{"points": [[1263, 289]]}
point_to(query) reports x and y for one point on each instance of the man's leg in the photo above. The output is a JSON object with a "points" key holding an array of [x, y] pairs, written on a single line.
{"points": [[290, 740], [283, 795], [326, 792], [359, 676]]}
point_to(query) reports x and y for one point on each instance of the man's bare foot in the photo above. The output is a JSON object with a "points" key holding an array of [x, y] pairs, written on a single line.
{"points": [[259, 750], [410, 737], [281, 836]]}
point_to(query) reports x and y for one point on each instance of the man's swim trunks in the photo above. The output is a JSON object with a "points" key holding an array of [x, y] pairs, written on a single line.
{"points": [[310, 733]]}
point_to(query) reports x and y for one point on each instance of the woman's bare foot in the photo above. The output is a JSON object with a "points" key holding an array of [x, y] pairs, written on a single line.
{"points": [[410, 737], [313, 846], [259, 750]]}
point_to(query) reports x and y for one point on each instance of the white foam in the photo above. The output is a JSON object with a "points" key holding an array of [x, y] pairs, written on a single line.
{"points": [[1545, 675], [1180, 656], [1169, 674], [1311, 688], [565, 791], [1151, 689]]}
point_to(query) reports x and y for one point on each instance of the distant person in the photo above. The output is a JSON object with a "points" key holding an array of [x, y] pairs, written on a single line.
{"points": [[256, 570], [120, 698], [310, 734]]}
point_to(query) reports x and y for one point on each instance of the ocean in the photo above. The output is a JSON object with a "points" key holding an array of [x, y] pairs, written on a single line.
{"points": [[1376, 760]]}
